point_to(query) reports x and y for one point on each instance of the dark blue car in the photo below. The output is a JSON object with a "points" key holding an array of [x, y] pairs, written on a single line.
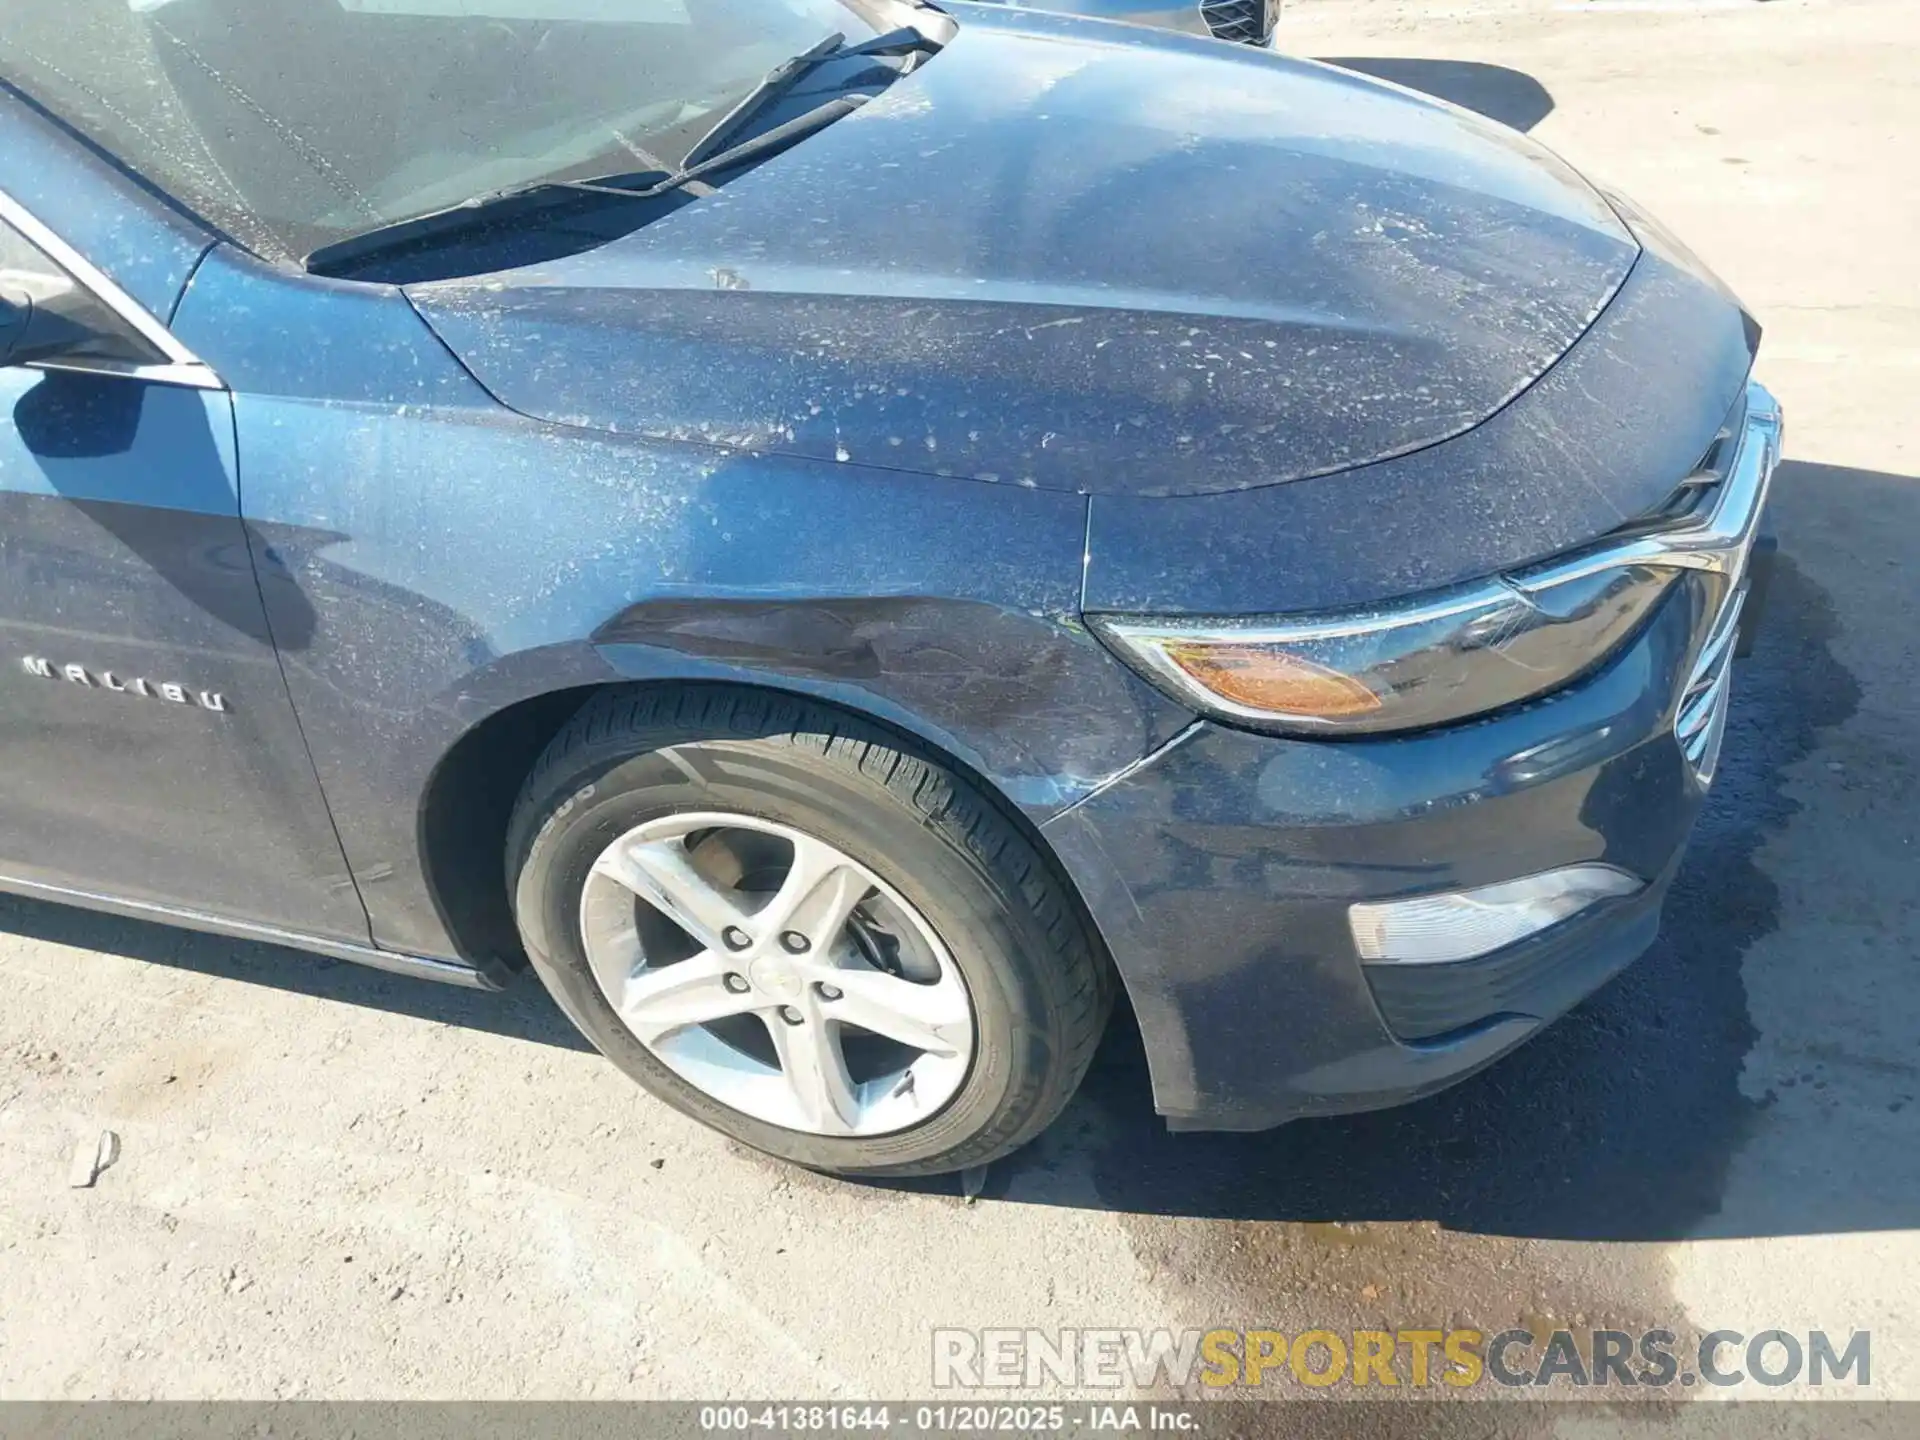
{"points": [[854, 535]]}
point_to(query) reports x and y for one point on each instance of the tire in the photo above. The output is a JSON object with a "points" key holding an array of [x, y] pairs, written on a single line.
{"points": [[1038, 982]]}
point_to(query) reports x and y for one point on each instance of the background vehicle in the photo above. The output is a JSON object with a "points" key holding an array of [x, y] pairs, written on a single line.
{"points": [[1240, 22], [844, 566]]}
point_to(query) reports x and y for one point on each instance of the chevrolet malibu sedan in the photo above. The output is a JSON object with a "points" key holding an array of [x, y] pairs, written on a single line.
{"points": [[853, 536]]}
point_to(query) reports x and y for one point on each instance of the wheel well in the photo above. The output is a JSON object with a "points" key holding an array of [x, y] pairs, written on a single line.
{"points": [[470, 798], [463, 820]]}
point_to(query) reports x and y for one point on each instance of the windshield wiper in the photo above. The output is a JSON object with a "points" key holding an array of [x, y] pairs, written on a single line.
{"points": [[702, 158], [495, 206], [788, 73], [778, 138]]}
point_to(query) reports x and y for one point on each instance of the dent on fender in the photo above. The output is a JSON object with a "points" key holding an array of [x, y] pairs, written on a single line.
{"points": [[968, 676], [954, 615]]}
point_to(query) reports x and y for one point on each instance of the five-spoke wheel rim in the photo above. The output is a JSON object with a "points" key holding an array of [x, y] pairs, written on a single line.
{"points": [[777, 974]]}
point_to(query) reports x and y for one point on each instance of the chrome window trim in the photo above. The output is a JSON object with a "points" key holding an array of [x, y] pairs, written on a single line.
{"points": [[195, 375], [182, 366], [1716, 541]]}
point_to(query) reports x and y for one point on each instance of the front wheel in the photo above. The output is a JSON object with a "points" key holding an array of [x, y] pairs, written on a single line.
{"points": [[804, 932]]}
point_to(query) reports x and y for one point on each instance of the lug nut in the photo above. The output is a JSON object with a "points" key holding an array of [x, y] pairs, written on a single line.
{"points": [[796, 943], [790, 1015], [737, 984], [736, 938], [829, 992]]}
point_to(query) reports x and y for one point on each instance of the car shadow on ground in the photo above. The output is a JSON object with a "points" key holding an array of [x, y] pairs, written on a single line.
{"points": [[522, 1012], [1509, 96], [1618, 1123]]}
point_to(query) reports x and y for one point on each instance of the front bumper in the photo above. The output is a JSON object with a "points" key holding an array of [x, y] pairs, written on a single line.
{"points": [[1220, 873]]}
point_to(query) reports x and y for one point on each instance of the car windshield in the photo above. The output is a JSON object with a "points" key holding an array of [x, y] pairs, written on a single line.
{"points": [[295, 124]]}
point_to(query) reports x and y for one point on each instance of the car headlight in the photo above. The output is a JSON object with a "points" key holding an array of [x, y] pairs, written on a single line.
{"points": [[1440, 657]]}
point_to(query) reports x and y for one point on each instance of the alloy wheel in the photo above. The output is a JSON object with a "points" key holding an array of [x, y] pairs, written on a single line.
{"points": [[777, 974]]}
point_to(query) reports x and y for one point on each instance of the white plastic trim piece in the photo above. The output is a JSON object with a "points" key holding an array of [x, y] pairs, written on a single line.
{"points": [[1464, 924]]}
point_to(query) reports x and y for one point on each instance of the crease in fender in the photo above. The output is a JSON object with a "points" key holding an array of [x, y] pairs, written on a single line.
{"points": [[1129, 770]]}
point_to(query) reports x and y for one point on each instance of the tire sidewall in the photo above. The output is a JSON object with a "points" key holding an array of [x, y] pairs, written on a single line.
{"points": [[983, 927]]}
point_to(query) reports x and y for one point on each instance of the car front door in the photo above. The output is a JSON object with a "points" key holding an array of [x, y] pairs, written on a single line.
{"points": [[149, 753]]}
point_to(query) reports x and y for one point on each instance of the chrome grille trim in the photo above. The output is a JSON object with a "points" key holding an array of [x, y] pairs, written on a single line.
{"points": [[1246, 22], [1716, 539], [1721, 543], [1726, 625], [1712, 469], [1700, 720]]}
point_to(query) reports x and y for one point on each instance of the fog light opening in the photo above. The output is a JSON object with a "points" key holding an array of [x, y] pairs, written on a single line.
{"points": [[1462, 924]]}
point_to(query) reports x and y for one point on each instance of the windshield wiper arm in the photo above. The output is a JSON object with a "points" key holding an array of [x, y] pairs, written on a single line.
{"points": [[775, 83], [542, 194], [788, 73], [767, 141], [707, 155]]}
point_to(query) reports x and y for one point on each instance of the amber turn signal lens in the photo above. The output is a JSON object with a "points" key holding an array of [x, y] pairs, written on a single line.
{"points": [[1265, 677]]}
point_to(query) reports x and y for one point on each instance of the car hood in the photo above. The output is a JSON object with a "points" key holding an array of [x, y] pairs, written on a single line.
{"points": [[1079, 256]]}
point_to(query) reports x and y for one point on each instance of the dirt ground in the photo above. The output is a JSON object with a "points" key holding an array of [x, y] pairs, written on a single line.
{"points": [[342, 1184]]}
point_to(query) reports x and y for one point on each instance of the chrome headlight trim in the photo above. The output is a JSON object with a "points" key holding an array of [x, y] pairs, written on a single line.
{"points": [[1718, 541], [1715, 539]]}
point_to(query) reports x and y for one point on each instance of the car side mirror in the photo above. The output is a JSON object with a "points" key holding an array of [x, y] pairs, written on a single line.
{"points": [[32, 331]]}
